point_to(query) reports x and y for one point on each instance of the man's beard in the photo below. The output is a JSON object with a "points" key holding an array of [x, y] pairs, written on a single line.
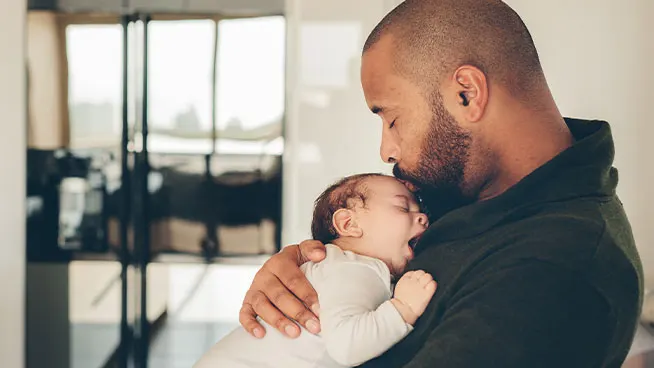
{"points": [[439, 175]]}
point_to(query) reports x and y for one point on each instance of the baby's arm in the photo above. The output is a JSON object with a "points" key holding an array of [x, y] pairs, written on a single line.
{"points": [[358, 320], [412, 294]]}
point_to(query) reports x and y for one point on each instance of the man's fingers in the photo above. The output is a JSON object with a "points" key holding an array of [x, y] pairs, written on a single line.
{"points": [[293, 307], [280, 292], [312, 250], [248, 320], [297, 311], [290, 277], [268, 312]]}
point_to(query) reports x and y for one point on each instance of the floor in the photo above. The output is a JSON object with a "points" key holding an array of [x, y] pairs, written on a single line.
{"points": [[92, 344], [180, 345], [204, 302]]}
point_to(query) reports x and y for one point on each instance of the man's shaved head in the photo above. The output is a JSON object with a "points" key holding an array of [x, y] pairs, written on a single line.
{"points": [[466, 111], [434, 37], [453, 82]]}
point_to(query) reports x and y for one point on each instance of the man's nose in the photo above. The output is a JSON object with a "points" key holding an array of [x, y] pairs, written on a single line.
{"points": [[389, 150]]}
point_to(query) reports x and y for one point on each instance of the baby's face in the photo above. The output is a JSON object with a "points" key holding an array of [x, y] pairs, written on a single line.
{"points": [[391, 222]]}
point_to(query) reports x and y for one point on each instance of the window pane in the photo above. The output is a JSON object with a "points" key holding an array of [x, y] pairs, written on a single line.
{"points": [[180, 77], [94, 84], [251, 78]]}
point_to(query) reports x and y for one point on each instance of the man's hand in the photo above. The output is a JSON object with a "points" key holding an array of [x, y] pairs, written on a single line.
{"points": [[280, 289], [412, 295]]}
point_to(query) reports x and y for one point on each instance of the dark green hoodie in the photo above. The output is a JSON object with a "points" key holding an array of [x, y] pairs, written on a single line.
{"points": [[544, 275]]}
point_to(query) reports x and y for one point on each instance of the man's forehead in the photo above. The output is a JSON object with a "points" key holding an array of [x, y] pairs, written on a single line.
{"points": [[378, 59], [385, 94], [380, 86]]}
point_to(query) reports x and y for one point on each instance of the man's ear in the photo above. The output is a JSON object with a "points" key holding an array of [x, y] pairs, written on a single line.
{"points": [[471, 88], [345, 223]]}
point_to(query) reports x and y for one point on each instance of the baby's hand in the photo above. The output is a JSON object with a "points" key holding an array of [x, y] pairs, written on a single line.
{"points": [[412, 294]]}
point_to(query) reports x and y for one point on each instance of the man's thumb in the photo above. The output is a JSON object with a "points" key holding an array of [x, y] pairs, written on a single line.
{"points": [[312, 250]]}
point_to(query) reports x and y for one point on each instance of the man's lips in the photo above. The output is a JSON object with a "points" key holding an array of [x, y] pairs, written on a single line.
{"points": [[409, 185]]}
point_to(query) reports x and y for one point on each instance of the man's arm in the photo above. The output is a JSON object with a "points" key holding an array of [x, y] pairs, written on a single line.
{"points": [[280, 289], [532, 314], [359, 321]]}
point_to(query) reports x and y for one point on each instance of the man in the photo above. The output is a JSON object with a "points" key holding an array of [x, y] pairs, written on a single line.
{"points": [[531, 248]]}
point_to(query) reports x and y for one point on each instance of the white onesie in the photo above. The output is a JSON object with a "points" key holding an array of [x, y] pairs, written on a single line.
{"points": [[358, 321]]}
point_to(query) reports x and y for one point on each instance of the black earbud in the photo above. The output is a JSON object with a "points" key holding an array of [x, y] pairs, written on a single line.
{"points": [[464, 98]]}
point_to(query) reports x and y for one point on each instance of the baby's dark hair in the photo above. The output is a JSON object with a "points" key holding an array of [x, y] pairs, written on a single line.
{"points": [[345, 193]]}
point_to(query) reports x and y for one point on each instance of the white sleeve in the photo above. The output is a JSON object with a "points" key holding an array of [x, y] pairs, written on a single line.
{"points": [[358, 320]]}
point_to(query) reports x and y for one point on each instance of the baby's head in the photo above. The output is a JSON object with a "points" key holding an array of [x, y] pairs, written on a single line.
{"points": [[370, 214]]}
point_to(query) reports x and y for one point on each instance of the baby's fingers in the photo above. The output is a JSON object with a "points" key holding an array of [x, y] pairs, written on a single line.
{"points": [[425, 278], [431, 287]]}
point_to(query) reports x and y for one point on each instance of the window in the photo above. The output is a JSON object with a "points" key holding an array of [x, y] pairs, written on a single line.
{"points": [[180, 77], [250, 84], [251, 78], [94, 84]]}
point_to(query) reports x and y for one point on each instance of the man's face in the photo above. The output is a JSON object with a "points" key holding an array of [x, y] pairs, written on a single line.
{"points": [[423, 140]]}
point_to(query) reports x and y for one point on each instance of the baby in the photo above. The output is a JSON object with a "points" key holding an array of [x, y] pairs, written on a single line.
{"points": [[370, 224]]}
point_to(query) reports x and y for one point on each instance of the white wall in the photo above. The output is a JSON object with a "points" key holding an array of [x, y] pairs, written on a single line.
{"points": [[330, 132], [598, 56], [12, 185]]}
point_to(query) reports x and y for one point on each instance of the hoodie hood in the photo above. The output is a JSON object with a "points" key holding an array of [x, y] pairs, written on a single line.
{"points": [[583, 170]]}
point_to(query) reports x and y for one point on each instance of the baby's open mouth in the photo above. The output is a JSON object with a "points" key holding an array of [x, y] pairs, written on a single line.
{"points": [[414, 241]]}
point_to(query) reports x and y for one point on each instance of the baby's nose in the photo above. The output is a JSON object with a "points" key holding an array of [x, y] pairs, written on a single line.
{"points": [[422, 220]]}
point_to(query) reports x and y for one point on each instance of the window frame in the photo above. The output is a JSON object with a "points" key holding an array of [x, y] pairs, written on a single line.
{"points": [[66, 19]]}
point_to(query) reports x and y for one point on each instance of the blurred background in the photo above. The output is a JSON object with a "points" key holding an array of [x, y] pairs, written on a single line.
{"points": [[156, 152]]}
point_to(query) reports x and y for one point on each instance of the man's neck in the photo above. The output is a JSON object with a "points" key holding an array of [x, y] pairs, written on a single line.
{"points": [[534, 142]]}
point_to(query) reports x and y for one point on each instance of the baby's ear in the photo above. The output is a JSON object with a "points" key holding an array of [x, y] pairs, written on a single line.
{"points": [[345, 223]]}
